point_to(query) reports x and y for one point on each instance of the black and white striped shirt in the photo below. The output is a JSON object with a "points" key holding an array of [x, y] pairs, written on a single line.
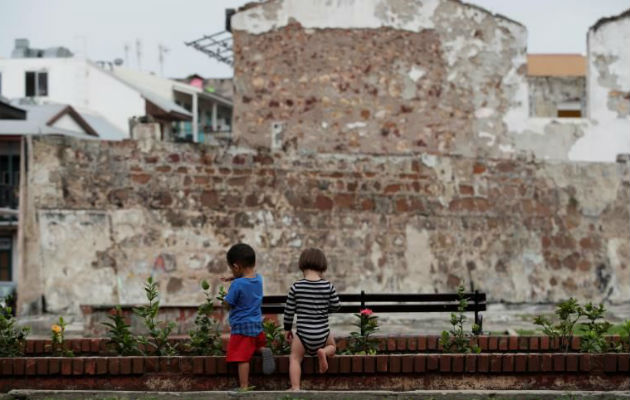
{"points": [[312, 301]]}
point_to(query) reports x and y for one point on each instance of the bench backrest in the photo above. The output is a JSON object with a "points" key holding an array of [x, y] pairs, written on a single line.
{"points": [[391, 303]]}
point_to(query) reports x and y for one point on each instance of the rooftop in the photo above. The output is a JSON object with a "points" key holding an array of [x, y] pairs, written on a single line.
{"points": [[556, 65]]}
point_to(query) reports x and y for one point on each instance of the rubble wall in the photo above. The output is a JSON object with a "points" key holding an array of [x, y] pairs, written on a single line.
{"points": [[398, 77], [106, 215], [417, 76]]}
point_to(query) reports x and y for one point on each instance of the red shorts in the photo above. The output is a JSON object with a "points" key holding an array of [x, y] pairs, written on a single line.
{"points": [[241, 348]]}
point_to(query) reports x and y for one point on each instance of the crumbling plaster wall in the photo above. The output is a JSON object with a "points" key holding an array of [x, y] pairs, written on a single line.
{"points": [[105, 216], [548, 94], [608, 88], [401, 76], [398, 76]]}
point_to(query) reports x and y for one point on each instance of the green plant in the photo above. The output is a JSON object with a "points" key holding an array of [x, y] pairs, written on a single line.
{"points": [[456, 340], [222, 294], [568, 312], [158, 331], [58, 331], [593, 340], [625, 334], [119, 333], [12, 337], [275, 337], [205, 338], [361, 342]]}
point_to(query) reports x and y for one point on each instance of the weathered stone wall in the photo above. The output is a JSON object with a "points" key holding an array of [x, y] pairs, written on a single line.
{"points": [[104, 216], [397, 77], [414, 76], [548, 94]]}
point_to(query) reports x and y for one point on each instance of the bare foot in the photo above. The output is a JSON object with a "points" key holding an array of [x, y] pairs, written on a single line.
{"points": [[293, 390], [323, 361]]}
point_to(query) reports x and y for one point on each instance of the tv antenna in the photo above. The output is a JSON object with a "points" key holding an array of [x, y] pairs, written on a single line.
{"points": [[162, 51], [127, 46], [139, 53]]}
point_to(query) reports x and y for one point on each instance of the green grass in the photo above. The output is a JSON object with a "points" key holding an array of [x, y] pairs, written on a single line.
{"points": [[579, 330]]}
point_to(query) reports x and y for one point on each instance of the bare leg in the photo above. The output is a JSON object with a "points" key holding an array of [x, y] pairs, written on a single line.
{"points": [[325, 352], [243, 374], [295, 362]]}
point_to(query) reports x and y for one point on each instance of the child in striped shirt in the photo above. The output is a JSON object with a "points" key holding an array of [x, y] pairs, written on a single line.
{"points": [[312, 299]]}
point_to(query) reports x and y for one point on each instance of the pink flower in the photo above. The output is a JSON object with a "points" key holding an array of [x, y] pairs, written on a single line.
{"points": [[366, 312]]}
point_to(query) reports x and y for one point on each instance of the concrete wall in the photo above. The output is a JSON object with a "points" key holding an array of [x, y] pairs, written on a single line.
{"points": [[103, 216], [405, 76], [78, 83]]}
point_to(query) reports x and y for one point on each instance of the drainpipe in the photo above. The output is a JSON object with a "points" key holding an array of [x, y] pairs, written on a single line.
{"points": [[195, 121]]}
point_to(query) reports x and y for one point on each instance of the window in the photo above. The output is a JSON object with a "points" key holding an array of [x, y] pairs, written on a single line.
{"points": [[5, 259], [36, 84], [569, 114], [9, 180]]}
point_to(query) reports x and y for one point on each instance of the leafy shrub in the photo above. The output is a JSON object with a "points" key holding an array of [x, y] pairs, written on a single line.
{"points": [[568, 313], [275, 337], [361, 342], [12, 337], [625, 335], [593, 340], [456, 340], [158, 331], [120, 336], [205, 338]]}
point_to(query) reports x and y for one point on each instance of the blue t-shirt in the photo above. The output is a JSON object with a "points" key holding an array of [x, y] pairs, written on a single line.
{"points": [[245, 297]]}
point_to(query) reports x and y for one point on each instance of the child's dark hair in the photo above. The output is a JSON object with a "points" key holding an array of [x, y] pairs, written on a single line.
{"points": [[241, 254], [313, 259]]}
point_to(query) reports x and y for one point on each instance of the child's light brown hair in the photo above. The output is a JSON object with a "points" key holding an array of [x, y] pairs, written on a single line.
{"points": [[313, 259]]}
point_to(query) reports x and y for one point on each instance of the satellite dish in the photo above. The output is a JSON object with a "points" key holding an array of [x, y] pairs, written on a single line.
{"points": [[118, 62]]}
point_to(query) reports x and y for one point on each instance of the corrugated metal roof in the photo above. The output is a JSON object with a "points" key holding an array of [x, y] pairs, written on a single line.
{"points": [[556, 65]]}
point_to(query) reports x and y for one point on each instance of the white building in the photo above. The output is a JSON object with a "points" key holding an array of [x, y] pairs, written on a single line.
{"points": [[117, 94]]}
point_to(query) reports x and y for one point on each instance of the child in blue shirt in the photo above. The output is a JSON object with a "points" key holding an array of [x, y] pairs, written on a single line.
{"points": [[244, 299]]}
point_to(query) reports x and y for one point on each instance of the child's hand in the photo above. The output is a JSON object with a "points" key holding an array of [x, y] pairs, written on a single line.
{"points": [[288, 335], [227, 278]]}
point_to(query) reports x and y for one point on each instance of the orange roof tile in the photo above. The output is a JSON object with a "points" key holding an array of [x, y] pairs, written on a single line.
{"points": [[556, 65]]}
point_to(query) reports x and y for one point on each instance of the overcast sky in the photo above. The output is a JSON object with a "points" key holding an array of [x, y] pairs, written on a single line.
{"points": [[101, 28]]}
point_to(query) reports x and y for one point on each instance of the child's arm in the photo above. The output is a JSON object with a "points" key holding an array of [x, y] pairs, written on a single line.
{"points": [[333, 303], [289, 311], [232, 296]]}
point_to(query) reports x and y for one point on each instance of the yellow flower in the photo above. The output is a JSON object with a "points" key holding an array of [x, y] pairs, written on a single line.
{"points": [[56, 328]]}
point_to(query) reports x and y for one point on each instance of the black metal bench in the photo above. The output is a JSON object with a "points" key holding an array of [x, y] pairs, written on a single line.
{"points": [[394, 303]]}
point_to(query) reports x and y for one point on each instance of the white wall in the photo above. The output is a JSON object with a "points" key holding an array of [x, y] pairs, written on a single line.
{"points": [[608, 75], [78, 83], [68, 123]]}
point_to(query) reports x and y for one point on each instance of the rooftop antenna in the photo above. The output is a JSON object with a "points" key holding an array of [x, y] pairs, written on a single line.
{"points": [[127, 46], [139, 53], [162, 50]]}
